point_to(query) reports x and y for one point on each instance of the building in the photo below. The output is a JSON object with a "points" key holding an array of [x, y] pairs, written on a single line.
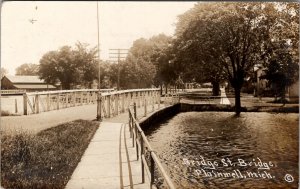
{"points": [[28, 83], [262, 87]]}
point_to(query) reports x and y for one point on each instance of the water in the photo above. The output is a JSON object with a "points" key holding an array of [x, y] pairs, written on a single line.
{"points": [[268, 141]]}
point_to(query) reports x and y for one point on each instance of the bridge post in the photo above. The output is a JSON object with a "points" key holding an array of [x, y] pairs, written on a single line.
{"points": [[139, 98], [108, 105], [16, 106], [136, 142], [57, 101], [81, 98], [67, 100], [134, 109], [25, 104], [48, 101], [145, 107], [116, 104], [74, 99], [129, 124], [151, 170], [142, 162], [99, 106], [152, 100], [158, 96], [123, 102], [37, 104]]}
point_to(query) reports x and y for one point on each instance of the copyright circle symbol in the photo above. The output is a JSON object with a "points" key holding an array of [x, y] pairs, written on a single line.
{"points": [[289, 178]]}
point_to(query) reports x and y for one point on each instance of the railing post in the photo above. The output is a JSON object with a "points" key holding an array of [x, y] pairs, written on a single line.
{"points": [[129, 124], [74, 97], [153, 100], [158, 101], [136, 143], [87, 97], [99, 106], [48, 101], [123, 102], [25, 104], [142, 154], [57, 101], [81, 98], [132, 129], [37, 104], [16, 106], [145, 107], [134, 109], [116, 104], [151, 170], [108, 106], [139, 98], [67, 99]]}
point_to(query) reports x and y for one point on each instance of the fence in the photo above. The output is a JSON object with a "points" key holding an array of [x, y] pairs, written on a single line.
{"points": [[143, 147], [36, 102]]}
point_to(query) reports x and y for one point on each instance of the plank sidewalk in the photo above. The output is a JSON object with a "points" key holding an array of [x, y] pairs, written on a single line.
{"points": [[110, 161]]}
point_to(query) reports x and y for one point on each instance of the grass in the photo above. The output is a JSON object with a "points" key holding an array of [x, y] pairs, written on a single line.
{"points": [[46, 160]]}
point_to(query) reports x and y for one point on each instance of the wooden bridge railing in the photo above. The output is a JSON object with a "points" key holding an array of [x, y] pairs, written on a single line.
{"points": [[109, 103], [36, 102], [113, 103], [150, 163]]}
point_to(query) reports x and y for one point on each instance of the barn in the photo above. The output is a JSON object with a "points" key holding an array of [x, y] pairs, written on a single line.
{"points": [[28, 83]]}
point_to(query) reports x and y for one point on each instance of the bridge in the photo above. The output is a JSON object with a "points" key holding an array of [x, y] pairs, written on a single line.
{"points": [[119, 155]]}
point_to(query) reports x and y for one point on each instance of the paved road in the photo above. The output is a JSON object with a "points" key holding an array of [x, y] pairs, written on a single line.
{"points": [[37, 122]]}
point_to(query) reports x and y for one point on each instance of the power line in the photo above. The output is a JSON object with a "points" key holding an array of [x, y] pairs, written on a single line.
{"points": [[118, 52]]}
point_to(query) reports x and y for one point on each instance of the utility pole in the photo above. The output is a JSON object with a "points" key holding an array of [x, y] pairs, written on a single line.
{"points": [[116, 56], [99, 98], [99, 86]]}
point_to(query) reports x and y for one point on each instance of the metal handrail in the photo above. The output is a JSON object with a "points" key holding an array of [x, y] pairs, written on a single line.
{"points": [[142, 142]]}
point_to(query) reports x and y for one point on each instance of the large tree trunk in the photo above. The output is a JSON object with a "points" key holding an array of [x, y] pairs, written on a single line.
{"points": [[166, 88], [216, 88], [237, 93]]}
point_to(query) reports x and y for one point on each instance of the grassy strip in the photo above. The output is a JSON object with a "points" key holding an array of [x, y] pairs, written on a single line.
{"points": [[45, 160]]}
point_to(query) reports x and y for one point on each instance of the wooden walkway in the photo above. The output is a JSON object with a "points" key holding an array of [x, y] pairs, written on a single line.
{"points": [[110, 160]]}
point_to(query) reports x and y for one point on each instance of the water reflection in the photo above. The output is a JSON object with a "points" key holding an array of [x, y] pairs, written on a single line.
{"points": [[220, 135]]}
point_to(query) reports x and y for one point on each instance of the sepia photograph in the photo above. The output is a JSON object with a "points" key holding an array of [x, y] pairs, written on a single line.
{"points": [[149, 95]]}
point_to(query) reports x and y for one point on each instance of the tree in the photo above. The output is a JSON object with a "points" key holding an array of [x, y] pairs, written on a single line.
{"points": [[281, 73], [227, 38], [140, 69], [69, 66], [27, 69], [3, 72]]}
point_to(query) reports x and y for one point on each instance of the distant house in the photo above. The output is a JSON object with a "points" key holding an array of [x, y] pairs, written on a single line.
{"points": [[28, 83], [261, 85]]}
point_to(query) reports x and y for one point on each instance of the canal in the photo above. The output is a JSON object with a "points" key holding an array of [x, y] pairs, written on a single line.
{"points": [[219, 150]]}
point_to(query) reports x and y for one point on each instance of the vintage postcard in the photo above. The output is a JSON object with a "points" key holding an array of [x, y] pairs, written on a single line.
{"points": [[155, 94]]}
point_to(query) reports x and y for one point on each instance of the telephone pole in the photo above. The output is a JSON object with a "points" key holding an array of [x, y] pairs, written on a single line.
{"points": [[116, 55], [99, 116]]}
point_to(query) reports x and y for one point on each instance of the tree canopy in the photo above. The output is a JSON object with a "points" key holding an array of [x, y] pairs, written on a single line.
{"points": [[70, 66], [216, 41], [27, 69]]}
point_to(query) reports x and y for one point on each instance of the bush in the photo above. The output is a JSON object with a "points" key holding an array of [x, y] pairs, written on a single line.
{"points": [[45, 160]]}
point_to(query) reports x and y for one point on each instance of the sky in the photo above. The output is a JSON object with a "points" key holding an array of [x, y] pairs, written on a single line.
{"points": [[64, 23]]}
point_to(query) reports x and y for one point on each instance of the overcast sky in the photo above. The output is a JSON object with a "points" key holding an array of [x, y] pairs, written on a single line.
{"points": [[64, 23]]}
